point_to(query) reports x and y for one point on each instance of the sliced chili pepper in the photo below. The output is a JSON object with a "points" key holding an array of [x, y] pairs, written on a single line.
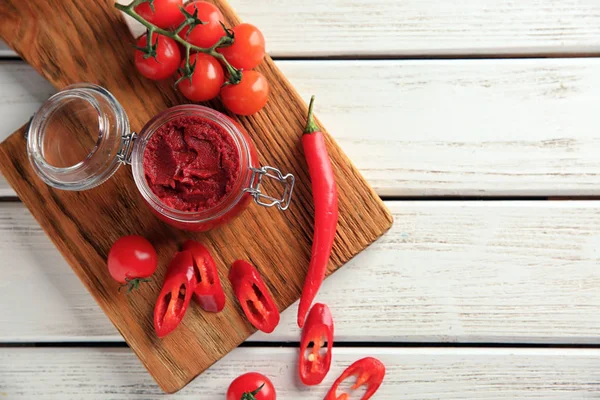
{"points": [[255, 299], [325, 198], [369, 371], [318, 331], [209, 291], [176, 293]]}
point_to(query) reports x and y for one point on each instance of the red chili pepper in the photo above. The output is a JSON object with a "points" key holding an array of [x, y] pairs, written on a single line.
{"points": [[255, 299], [368, 371], [325, 198], [313, 365], [209, 291], [175, 295]]}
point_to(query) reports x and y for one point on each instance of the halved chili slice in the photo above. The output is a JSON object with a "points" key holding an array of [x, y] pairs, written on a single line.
{"points": [[316, 345], [176, 293], [255, 299], [209, 291], [369, 372]]}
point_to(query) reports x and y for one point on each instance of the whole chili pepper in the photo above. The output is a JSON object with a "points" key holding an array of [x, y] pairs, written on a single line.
{"points": [[255, 299], [209, 291], [176, 293], [318, 331], [325, 198], [369, 371]]}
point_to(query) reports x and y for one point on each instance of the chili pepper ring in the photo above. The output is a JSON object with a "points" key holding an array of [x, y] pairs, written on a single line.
{"points": [[317, 335]]}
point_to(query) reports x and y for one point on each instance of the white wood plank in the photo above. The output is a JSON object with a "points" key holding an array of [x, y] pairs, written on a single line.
{"points": [[445, 127], [100, 373], [6, 51], [504, 272], [424, 27]]}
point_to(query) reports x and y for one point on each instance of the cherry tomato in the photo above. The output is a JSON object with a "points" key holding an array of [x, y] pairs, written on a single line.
{"points": [[211, 31], [248, 48], [247, 97], [248, 384], [131, 259], [166, 12], [166, 63], [207, 79]]}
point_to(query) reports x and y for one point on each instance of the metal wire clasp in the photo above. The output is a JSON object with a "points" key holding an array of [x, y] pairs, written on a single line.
{"points": [[124, 155], [264, 200]]}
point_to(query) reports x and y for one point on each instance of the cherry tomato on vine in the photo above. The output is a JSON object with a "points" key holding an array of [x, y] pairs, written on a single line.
{"points": [[167, 58], [248, 48], [210, 31], [246, 386], [166, 12], [206, 81], [131, 259], [247, 97]]}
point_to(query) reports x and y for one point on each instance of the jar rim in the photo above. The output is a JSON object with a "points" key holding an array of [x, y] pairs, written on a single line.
{"points": [[82, 175], [225, 204]]}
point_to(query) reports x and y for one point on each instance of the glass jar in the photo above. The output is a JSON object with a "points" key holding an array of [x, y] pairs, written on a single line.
{"points": [[84, 161]]}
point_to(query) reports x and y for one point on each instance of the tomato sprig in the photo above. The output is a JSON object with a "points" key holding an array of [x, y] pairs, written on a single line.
{"points": [[190, 21]]}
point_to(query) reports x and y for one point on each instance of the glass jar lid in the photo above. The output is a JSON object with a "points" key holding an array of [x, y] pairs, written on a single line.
{"points": [[78, 138]]}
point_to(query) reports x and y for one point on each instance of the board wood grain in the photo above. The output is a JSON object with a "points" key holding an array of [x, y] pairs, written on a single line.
{"points": [[411, 374], [447, 271], [83, 225], [432, 127]]}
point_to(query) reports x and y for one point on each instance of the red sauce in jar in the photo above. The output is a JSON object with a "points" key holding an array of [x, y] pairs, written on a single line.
{"points": [[191, 164]]}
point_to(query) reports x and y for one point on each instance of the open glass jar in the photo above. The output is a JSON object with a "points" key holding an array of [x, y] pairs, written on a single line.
{"points": [[70, 161]]}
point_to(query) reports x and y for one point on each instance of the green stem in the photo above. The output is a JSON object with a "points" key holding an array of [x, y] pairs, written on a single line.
{"points": [[252, 395], [311, 126], [235, 75]]}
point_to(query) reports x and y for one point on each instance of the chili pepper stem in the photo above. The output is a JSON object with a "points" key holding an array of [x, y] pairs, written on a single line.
{"points": [[311, 126], [235, 75]]}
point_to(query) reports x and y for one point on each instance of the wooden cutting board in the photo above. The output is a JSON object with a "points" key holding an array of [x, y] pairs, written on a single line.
{"points": [[70, 41]]}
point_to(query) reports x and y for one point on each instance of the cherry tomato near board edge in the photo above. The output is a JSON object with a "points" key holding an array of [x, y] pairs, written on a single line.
{"points": [[131, 260], [251, 386], [161, 65], [162, 13], [247, 97], [248, 48]]}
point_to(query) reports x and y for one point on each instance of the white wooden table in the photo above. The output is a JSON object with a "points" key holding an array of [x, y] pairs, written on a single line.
{"points": [[466, 116]]}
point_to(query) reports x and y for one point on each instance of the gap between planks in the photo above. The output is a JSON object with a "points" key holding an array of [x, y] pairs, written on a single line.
{"points": [[338, 344]]}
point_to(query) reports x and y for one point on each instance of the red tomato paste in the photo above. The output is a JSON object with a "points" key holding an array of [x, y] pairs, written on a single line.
{"points": [[191, 164]]}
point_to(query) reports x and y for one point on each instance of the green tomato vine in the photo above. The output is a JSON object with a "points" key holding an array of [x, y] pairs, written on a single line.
{"points": [[191, 21]]}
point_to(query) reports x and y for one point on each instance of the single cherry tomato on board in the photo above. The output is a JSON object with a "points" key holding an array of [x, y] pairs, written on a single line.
{"points": [[247, 97], [247, 387], [206, 81], [166, 13], [164, 64], [210, 31], [131, 259], [248, 48]]}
